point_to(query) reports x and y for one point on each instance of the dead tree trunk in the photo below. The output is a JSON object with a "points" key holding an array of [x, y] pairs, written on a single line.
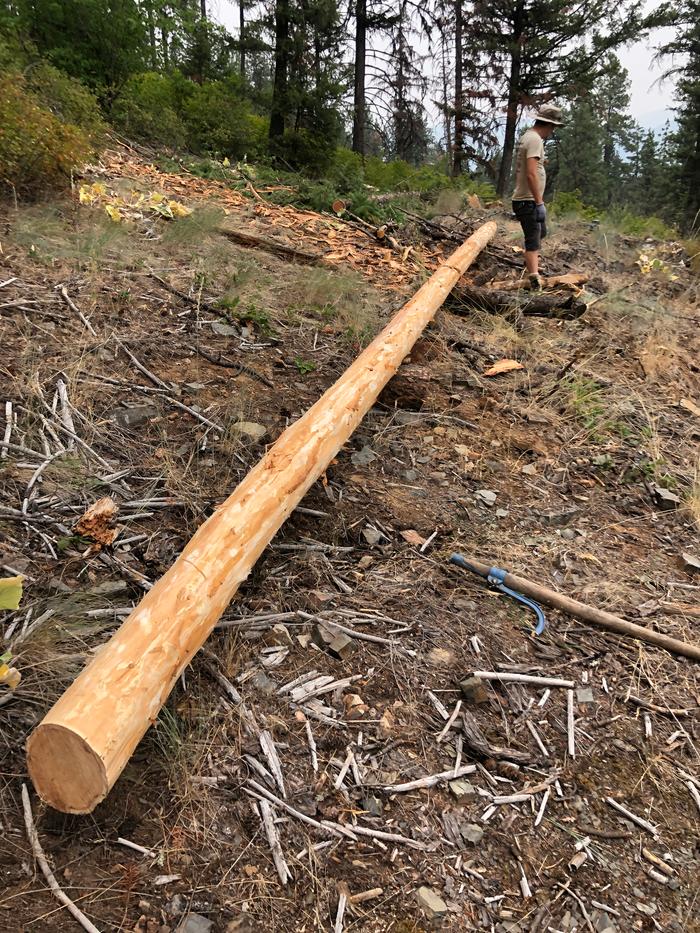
{"points": [[457, 162], [279, 89], [556, 305], [359, 119], [80, 748]]}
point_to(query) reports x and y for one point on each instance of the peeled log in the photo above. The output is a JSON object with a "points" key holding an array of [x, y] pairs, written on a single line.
{"points": [[81, 746]]}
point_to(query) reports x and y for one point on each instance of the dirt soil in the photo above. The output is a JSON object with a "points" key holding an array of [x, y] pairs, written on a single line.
{"points": [[580, 471]]}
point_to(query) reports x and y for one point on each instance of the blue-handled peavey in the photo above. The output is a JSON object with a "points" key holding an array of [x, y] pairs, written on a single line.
{"points": [[495, 578]]}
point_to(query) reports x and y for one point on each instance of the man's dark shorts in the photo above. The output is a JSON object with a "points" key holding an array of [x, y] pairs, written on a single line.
{"points": [[534, 230]]}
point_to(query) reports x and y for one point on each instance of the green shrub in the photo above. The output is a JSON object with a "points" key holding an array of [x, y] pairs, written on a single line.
{"points": [[37, 150], [146, 109], [67, 99], [570, 203], [218, 122], [628, 223], [304, 151], [345, 170]]}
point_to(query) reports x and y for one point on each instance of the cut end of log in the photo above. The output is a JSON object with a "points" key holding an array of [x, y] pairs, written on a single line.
{"points": [[66, 772]]}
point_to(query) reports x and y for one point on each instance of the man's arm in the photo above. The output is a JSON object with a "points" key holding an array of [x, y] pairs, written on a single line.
{"points": [[533, 179]]}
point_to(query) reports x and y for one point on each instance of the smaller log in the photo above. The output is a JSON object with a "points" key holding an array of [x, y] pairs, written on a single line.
{"points": [[572, 279], [563, 305]]}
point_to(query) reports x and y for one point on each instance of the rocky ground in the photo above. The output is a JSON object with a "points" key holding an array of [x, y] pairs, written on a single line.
{"points": [[152, 361]]}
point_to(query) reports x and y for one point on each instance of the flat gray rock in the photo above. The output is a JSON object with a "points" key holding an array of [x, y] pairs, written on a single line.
{"points": [[431, 903], [195, 923]]}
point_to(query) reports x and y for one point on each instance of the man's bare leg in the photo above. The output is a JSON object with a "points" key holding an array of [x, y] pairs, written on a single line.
{"points": [[532, 261]]}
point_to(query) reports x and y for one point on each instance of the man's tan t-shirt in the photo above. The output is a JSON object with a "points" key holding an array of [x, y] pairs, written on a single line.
{"points": [[531, 145]]}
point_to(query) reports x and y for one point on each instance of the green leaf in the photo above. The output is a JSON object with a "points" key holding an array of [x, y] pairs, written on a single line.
{"points": [[10, 592]]}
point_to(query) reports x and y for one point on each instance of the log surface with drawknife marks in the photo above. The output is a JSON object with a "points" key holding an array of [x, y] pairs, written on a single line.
{"points": [[80, 748]]}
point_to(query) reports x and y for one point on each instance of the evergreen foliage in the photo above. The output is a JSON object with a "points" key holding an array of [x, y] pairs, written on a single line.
{"points": [[301, 79]]}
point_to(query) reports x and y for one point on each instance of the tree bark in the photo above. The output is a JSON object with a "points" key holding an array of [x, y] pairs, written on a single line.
{"points": [[279, 90], [203, 8], [514, 93], [241, 36], [164, 36], [457, 166], [80, 748], [359, 120]]}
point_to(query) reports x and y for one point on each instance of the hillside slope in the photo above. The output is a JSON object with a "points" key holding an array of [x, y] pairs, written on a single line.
{"points": [[579, 470]]}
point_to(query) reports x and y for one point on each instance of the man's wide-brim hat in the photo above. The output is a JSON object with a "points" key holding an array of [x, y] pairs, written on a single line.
{"points": [[550, 114]]}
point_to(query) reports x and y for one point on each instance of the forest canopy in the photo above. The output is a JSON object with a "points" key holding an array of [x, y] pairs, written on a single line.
{"points": [[441, 87]]}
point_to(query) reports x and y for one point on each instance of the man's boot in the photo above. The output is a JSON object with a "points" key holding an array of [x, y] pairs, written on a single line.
{"points": [[535, 282]]}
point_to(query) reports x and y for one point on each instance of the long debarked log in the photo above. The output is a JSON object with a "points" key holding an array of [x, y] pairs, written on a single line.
{"points": [[79, 749], [598, 617]]}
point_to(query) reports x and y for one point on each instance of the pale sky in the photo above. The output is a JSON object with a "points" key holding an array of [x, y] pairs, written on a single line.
{"points": [[652, 98]]}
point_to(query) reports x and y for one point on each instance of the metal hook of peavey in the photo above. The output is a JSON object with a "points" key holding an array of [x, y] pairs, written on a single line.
{"points": [[495, 578]]}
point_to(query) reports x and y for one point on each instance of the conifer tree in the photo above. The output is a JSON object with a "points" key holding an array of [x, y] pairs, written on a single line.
{"points": [[684, 141], [539, 49]]}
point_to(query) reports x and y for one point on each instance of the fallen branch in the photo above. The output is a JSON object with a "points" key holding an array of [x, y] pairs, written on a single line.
{"points": [[8, 430], [267, 745], [57, 892], [478, 742], [76, 310], [188, 299], [429, 781], [507, 678], [255, 241], [665, 710], [597, 617], [266, 814], [142, 369], [221, 360], [312, 746], [628, 815], [694, 793], [448, 725], [340, 913], [570, 728]]}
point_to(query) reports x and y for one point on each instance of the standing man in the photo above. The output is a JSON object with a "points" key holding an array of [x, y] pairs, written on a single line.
{"points": [[530, 181]]}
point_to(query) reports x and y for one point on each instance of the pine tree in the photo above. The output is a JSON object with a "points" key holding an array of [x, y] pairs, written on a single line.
{"points": [[684, 142], [409, 134], [539, 49], [578, 162], [280, 102], [371, 16], [611, 100], [101, 42], [468, 103]]}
